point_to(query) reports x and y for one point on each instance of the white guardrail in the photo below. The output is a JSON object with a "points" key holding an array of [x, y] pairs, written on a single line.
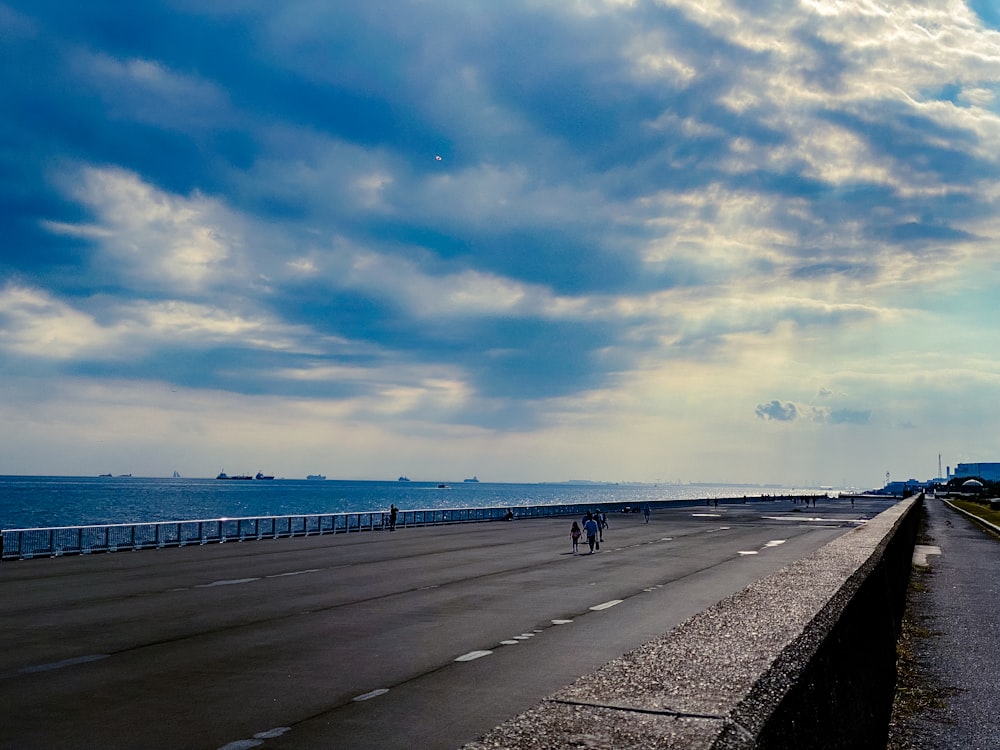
{"points": [[25, 544]]}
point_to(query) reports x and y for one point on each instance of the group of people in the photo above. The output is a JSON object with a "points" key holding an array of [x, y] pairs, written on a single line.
{"points": [[594, 524]]}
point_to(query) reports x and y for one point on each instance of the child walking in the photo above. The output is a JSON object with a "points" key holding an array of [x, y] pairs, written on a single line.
{"points": [[575, 533]]}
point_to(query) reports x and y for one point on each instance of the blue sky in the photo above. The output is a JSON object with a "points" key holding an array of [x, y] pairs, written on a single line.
{"points": [[530, 240]]}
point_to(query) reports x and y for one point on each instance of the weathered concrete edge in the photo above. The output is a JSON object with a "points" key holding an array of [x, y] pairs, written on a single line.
{"points": [[802, 658]]}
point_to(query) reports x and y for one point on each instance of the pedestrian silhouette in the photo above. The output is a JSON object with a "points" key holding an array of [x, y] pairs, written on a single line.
{"points": [[575, 533]]}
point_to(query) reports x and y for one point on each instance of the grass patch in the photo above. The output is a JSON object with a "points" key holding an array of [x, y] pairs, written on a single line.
{"points": [[978, 510]]}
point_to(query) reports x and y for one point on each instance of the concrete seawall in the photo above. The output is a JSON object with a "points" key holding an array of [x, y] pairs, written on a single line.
{"points": [[804, 658]]}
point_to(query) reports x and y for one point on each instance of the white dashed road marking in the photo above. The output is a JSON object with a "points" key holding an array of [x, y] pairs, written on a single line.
{"points": [[472, 655], [561, 622], [606, 605], [294, 573], [257, 741], [242, 745], [231, 582], [371, 694], [270, 734]]}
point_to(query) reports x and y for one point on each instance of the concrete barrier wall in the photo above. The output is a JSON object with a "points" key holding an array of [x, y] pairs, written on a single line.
{"points": [[804, 658]]}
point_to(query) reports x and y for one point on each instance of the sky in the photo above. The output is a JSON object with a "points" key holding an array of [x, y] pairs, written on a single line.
{"points": [[536, 240]]}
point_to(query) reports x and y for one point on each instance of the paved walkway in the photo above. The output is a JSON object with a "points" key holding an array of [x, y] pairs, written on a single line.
{"points": [[417, 640], [959, 611]]}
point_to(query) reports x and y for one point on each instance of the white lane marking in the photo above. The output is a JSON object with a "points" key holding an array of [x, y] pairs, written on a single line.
{"points": [[793, 518], [606, 605], [746, 552], [472, 655], [242, 745], [921, 551], [521, 637], [561, 622], [294, 573], [667, 539], [366, 696], [64, 663], [270, 734], [231, 582], [509, 643], [775, 543], [706, 515]]}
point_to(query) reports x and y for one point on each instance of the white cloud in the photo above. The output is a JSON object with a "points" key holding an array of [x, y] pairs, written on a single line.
{"points": [[148, 91], [151, 237], [34, 323]]}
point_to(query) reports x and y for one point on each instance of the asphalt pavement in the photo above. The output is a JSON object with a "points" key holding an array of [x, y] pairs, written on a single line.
{"points": [[957, 649], [420, 638]]}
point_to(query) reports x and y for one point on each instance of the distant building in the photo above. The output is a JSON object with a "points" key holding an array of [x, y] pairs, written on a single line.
{"points": [[909, 487], [988, 471]]}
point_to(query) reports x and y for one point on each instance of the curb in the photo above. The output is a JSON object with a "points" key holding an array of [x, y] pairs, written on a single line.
{"points": [[991, 526]]}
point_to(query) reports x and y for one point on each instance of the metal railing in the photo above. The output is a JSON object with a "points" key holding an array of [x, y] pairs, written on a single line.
{"points": [[25, 544]]}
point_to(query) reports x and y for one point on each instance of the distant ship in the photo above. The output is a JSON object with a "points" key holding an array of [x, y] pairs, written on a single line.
{"points": [[444, 487], [104, 475], [474, 479], [260, 475], [314, 476], [403, 478], [176, 475], [224, 475]]}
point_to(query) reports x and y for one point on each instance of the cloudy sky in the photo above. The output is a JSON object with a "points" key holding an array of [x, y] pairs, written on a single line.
{"points": [[628, 240]]}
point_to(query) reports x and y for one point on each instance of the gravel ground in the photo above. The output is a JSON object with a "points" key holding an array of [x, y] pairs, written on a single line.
{"points": [[949, 653]]}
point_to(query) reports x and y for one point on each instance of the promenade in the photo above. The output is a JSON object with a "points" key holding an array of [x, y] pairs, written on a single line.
{"points": [[422, 638], [957, 612]]}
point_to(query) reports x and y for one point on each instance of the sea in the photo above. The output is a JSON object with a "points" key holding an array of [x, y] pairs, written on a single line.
{"points": [[44, 502]]}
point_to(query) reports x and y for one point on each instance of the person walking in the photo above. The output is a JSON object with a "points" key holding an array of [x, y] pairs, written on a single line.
{"points": [[575, 533], [646, 511], [393, 511], [590, 527]]}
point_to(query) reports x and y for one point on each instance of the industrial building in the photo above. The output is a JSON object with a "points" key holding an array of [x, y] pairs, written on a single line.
{"points": [[987, 471]]}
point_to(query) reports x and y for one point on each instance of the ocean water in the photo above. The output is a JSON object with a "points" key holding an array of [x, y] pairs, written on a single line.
{"points": [[38, 502]]}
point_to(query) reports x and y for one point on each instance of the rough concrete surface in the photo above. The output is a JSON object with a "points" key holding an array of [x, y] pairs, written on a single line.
{"points": [[956, 613]]}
